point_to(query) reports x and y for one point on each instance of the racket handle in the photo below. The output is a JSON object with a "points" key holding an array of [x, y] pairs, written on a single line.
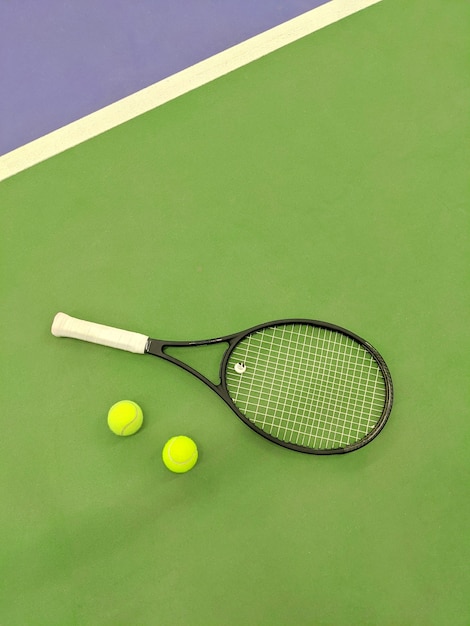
{"points": [[66, 326]]}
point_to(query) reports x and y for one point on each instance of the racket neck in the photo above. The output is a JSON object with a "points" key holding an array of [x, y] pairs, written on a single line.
{"points": [[158, 348]]}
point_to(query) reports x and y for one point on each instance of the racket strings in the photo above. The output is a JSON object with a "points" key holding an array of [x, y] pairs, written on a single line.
{"points": [[307, 385]]}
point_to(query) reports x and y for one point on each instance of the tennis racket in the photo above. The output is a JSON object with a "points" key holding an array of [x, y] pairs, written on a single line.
{"points": [[306, 385]]}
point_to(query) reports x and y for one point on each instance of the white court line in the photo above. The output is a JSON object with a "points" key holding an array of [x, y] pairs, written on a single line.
{"points": [[174, 86]]}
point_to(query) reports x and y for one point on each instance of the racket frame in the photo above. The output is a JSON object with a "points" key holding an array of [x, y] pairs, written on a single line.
{"points": [[157, 347]]}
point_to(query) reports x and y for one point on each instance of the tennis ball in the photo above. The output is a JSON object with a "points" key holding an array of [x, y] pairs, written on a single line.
{"points": [[180, 454], [125, 418]]}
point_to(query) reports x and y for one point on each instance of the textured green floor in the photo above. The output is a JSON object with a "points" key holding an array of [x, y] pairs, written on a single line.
{"points": [[328, 180]]}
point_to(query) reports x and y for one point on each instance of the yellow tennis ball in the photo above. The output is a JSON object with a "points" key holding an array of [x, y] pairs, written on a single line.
{"points": [[180, 454], [125, 418]]}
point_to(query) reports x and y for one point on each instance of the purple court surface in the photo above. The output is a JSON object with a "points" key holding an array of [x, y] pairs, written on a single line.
{"points": [[61, 59]]}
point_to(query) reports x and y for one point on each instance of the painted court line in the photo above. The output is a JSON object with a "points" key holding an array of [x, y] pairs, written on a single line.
{"points": [[170, 88]]}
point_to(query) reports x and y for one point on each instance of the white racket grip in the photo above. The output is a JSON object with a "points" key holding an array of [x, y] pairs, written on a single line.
{"points": [[66, 326]]}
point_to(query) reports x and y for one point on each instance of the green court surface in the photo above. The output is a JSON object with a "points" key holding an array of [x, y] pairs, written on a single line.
{"points": [[326, 181]]}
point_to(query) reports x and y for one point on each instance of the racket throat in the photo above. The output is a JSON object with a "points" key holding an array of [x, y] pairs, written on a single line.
{"points": [[199, 358]]}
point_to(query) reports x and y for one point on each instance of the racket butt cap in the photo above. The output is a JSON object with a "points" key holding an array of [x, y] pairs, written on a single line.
{"points": [[58, 324]]}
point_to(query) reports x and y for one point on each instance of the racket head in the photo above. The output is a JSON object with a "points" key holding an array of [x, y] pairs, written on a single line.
{"points": [[308, 385]]}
